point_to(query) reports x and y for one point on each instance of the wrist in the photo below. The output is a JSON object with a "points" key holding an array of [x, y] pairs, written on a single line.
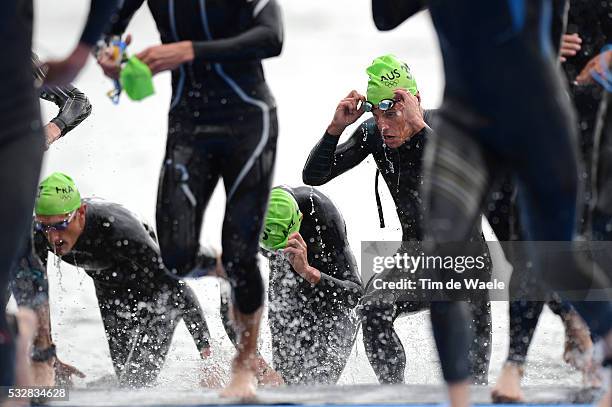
{"points": [[188, 52], [313, 275], [334, 130]]}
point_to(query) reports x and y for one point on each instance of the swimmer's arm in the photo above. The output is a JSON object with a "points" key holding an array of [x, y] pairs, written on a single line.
{"points": [[36, 268], [346, 291], [327, 159], [100, 12], [195, 322], [341, 276], [388, 14], [74, 107], [122, 17], [263, 40]]}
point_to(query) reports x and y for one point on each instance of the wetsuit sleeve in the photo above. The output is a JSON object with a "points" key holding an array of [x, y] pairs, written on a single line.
{"points": [[346, 291], [339, 273], [100, 12], [122, 17], [388, 14], [327, 160], [40, 248], [74, 107], [263, 40]]}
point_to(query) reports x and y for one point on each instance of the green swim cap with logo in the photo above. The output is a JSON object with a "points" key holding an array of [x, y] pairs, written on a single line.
{"points": [[57, 195], [282, 219], [136, 79], [386, 74]]}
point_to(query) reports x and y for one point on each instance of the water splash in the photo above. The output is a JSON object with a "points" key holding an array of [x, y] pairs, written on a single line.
{"points": [[57, 264], [310, 195], [390, 168]]}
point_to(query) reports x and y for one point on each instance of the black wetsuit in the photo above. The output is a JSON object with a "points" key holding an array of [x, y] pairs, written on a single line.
{"points": [[30, 284], [22, 141], [140, 303], [483, 135], [313, 327], [222, 123], [593, 23], [401, 169]]}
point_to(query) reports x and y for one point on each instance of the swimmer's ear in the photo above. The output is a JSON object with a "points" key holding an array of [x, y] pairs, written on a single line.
{"points": [[418, 96]]}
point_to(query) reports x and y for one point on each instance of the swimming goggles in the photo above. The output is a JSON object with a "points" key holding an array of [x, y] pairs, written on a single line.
{"points": [[59, 226]]}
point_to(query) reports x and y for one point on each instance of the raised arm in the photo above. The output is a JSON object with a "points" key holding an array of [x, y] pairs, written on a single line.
{"points": [[327, 160], [74, 107]]}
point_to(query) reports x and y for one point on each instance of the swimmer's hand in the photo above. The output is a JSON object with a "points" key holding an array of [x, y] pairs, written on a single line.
{"points": [[106, 60], [594, 65], [64, 372], [347, 113], [166, 57], [570, 45], [297, 253]]}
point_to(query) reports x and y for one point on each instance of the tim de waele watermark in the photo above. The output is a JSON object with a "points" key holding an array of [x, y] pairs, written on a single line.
{"points": [[403, 262]]}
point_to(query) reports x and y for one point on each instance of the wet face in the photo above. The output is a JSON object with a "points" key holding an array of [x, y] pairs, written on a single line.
{"points": [[393, 125], [63, 231]]}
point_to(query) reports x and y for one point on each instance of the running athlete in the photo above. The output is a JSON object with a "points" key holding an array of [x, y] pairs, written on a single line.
{"points": [[588, 29], [314, 286], [140, 303], [21, 136], [222, 123], [524, 315], [396, 137], [483, 134]]}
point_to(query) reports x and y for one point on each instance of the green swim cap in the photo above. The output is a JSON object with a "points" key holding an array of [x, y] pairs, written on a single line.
{"points": [[57, 195], [282, 219], [386, 74], [136, 79]]}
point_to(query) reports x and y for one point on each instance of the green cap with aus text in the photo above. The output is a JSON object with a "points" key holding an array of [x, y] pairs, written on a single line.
{"points": [[386, 74], [57, 195]]}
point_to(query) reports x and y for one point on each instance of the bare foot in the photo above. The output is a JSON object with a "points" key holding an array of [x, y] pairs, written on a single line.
{"points": [[508, 386], [606, 400], [211, 378], [266, 375], [459, 394], [242, 383], [578, 343]]}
